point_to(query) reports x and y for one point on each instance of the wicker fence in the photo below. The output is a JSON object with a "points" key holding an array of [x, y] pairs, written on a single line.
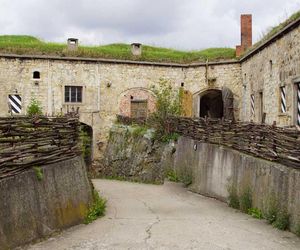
{"points": [[279, 144], [27, 142], [270, 142]]}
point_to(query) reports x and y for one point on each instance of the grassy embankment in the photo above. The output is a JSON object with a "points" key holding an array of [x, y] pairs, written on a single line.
{"points": [[32, 46]]}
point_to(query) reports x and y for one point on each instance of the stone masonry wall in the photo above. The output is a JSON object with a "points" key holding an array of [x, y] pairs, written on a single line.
{"points": [[275, 66], [104, 85]]}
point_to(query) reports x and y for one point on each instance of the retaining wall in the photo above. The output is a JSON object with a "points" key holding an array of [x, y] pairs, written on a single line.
{"points": [[214, 168], [32, 208]]}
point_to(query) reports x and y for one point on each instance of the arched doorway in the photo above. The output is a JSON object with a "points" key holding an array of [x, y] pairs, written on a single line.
{"points": [[86, 143], [211, 104], [216, 103]]}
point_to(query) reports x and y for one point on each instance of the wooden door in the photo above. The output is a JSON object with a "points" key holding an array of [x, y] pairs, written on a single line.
{"points": [[227, 96], [139, 108]]}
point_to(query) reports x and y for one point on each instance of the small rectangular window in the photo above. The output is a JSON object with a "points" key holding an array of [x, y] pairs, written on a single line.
{"points": [[73, 94], [283, 99]]}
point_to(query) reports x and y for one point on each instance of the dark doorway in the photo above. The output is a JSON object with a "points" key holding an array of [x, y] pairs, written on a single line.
{"points": [[211, 104], [86, 143]]}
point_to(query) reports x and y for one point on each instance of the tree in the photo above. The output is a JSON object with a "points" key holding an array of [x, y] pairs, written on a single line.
{"points": [[168, 103]]}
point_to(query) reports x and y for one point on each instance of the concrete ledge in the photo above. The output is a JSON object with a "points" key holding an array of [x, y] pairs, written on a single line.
{"points": [[32, 208]]}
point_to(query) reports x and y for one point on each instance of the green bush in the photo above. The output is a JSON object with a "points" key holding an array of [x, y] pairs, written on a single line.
{"points": [[246, 200], [282, 221], [168, 103], [34, 108], [233, 198], [97, 209], [255, 213]]}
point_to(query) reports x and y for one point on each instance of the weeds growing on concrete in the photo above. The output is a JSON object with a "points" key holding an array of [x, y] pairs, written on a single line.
{"points": [[233, 198], [38, 173], [172, 176], [255, 213], [272, 209], [246, 200], [297, 231], [97, 209], [282, 220]]}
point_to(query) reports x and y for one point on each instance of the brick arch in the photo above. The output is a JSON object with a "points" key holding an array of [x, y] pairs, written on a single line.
{"points": [[136, 94]]}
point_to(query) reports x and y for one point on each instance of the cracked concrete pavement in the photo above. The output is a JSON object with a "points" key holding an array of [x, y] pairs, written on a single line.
{"points": [[143, 216]]}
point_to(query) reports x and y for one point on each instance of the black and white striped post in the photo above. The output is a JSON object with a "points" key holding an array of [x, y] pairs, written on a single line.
{"points": [[283, 99], [298, 103], [15, 103], [252, 105]]}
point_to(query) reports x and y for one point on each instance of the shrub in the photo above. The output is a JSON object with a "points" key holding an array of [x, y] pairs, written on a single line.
{"points": [[233, 198], [246, 200], [34, 108], [97, 209], [282, 221], [168, 103]]}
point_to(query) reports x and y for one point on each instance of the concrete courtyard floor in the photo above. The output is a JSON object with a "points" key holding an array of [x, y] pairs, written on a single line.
{"points": [[143, 216]]}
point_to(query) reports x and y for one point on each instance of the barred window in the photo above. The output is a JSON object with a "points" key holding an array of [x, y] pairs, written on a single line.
{"points": [[73, 94], [283, 99]]}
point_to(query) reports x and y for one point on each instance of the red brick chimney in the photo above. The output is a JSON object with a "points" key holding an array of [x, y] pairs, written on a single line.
{"points": [[246, 34]]}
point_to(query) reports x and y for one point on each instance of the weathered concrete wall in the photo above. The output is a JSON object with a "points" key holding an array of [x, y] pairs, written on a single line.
{"points": [[134, 156], [31, 209], [214, 168], [275, 66]]}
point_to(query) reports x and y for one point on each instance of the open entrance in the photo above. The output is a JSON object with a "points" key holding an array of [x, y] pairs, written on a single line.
{"points": [[216, 104], [86, 143], [211, 104]]}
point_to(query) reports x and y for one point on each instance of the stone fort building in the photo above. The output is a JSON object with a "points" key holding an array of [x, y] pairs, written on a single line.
{"points": [[262, 84]]}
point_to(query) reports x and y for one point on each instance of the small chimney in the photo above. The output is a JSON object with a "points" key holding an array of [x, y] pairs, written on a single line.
{"points": [[246, 34], [136, 49], [72, 44]]}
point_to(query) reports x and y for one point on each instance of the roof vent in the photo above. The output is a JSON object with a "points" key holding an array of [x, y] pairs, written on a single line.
{"points": [[136, 49], [72, 44]]}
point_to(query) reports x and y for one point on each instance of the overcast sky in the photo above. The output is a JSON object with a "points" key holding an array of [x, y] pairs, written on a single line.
{"points": [[181, 24]]}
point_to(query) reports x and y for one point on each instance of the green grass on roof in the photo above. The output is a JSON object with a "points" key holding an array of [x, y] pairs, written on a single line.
{"points": [[274, 30], [33, 46]]}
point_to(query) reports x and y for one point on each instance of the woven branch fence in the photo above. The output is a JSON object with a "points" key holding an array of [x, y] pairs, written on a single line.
{"points": [[27, 142], [270, 142]]}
